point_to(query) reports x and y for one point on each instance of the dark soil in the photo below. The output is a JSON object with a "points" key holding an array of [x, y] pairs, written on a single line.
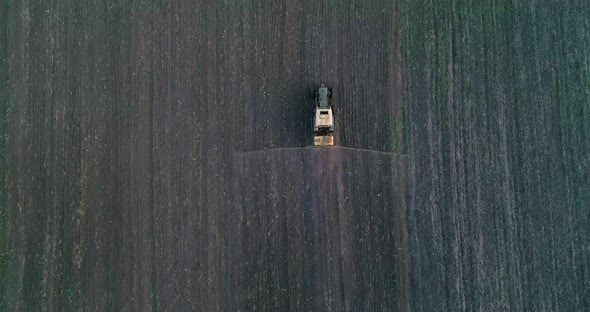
{"points": [[321, 229], [121, 126], [497, 130], [153, 156]]}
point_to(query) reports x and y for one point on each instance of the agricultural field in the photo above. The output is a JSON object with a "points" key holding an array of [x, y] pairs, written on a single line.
{"points": [[154, 155], [497, 130]]}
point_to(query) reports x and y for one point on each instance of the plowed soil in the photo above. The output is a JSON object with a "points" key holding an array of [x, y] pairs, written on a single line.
{"points": [[122, 126], [322, 229], [154, 156]]}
